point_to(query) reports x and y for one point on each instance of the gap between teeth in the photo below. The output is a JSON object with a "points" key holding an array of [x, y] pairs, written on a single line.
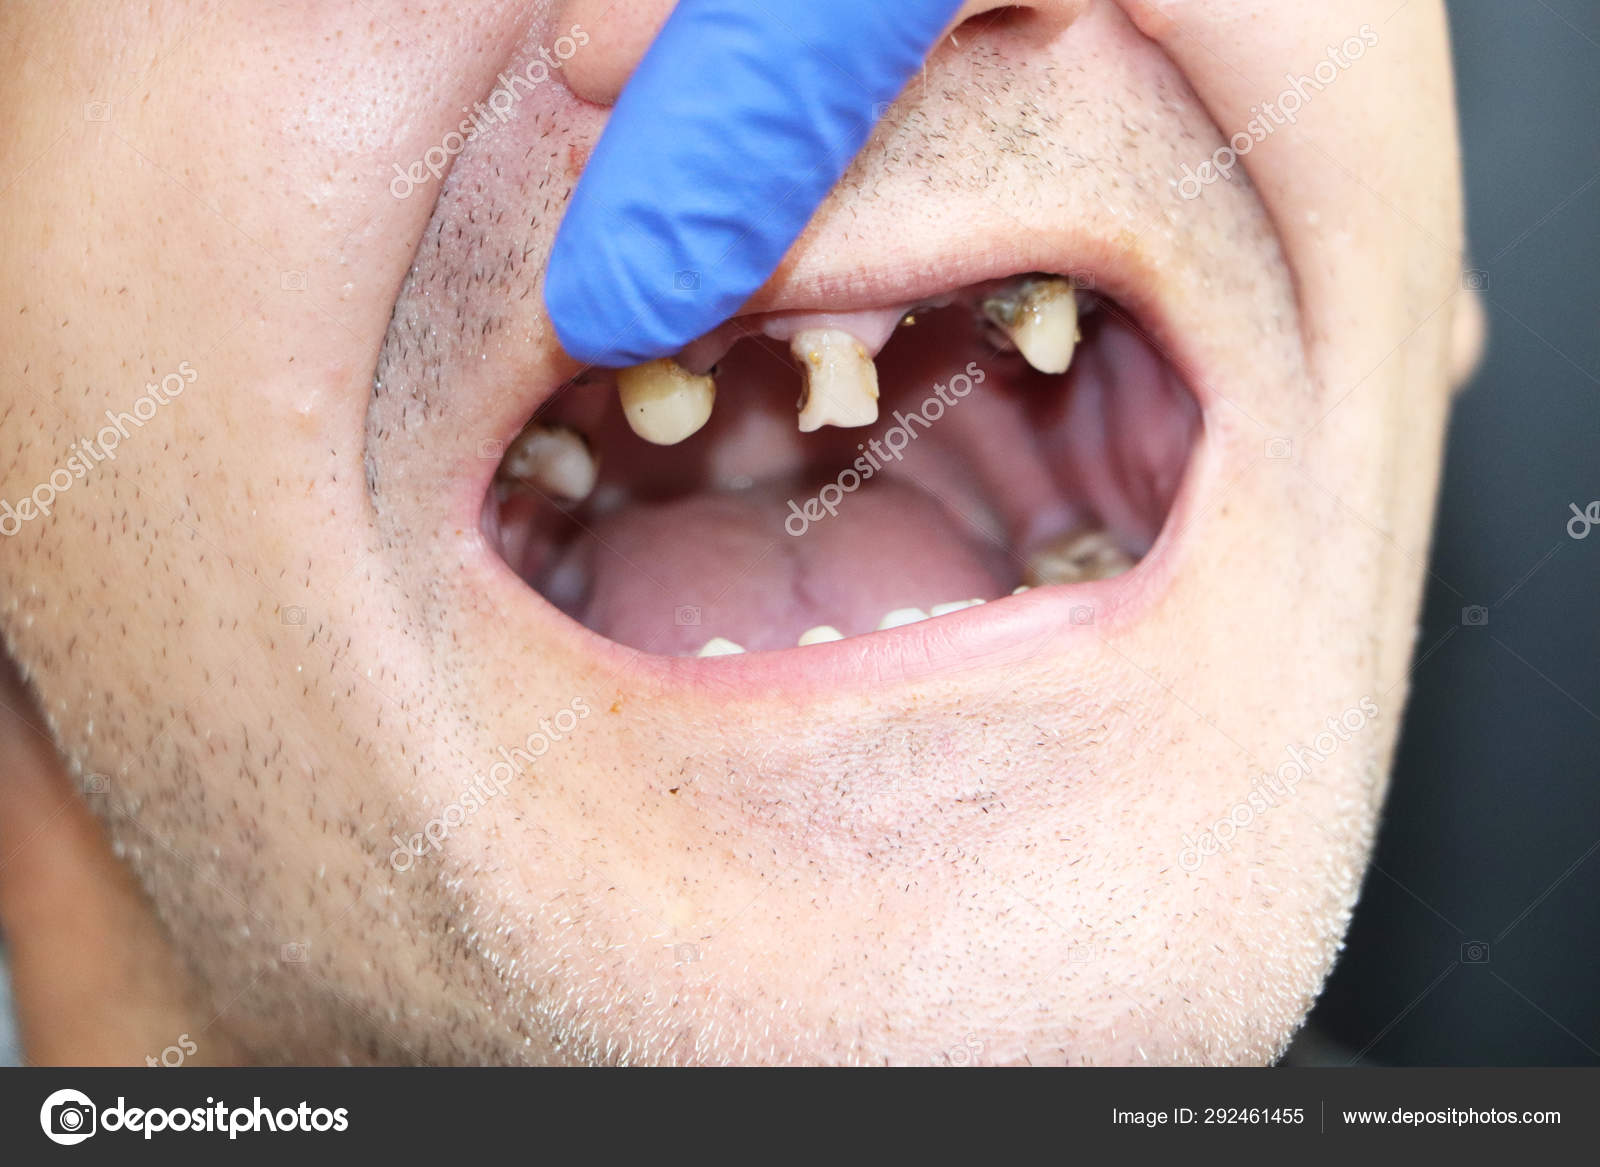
{"points": [[665, 403]]}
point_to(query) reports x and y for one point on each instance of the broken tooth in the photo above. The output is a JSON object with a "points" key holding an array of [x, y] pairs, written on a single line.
{"points": [[664, 402], [1041, 318], [821, 634], [553, 459], [717, 646], [900, 617], [1075, 557], [841, 382]]}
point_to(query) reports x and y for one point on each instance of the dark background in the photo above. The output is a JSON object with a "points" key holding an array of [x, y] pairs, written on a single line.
{"points": [[1490, 844]]}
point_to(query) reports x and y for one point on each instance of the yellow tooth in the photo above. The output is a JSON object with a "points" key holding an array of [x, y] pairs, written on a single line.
{"points": [[841, 382], [1041, 318], [1075, 557], [664, 402], [900, 617], [554, 460]]}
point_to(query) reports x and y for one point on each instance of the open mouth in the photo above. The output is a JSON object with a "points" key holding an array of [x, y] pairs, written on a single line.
{"points": [[793, 479]]}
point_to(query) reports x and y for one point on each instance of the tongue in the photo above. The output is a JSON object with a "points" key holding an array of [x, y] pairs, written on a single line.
{"points": [[668, 577]]}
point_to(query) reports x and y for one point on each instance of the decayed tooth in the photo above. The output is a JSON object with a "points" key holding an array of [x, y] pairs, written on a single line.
{"points": [[900, 617], [821, 634], [1041, 318], [1081, 555], [717, 646], [841, 382], [553, 459], [956, 606], [664, 402]]}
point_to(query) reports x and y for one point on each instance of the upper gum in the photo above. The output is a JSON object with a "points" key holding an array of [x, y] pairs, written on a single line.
{"points": [[871, 326]]}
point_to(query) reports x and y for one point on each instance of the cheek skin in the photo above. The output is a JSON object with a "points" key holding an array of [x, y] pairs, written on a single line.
{"points": [[231, 212], [1373, 228], [225, 621]]}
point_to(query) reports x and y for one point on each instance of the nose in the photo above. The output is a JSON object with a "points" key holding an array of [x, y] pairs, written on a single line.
{"points": [[620, 31]]}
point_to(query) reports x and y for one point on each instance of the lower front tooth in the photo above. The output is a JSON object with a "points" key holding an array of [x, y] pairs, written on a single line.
{"points": [[900, 617], [841, 382], [555, 460], [821, 634], [1041, 319], [717, 646], [664, 402], [1073, 558]]}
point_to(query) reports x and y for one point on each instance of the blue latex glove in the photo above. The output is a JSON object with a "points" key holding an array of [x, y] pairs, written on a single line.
{"points": [[737, 123]]}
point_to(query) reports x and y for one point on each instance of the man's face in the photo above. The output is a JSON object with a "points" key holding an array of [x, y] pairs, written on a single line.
{"points": [[418, 764]]}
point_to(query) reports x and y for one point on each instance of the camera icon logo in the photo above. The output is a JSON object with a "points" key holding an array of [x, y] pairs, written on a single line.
{"points": [[67, 1117], [1475, 952], [293, 281], [686, 281], [96, 784], [1082, 280], [1475, 616], [685, 953], [965, 1053], [1475, 279], [295, 952], [97, 111], [293, 614], [491, 449], [686, 616], [1082, 614], [1279, 449]]}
